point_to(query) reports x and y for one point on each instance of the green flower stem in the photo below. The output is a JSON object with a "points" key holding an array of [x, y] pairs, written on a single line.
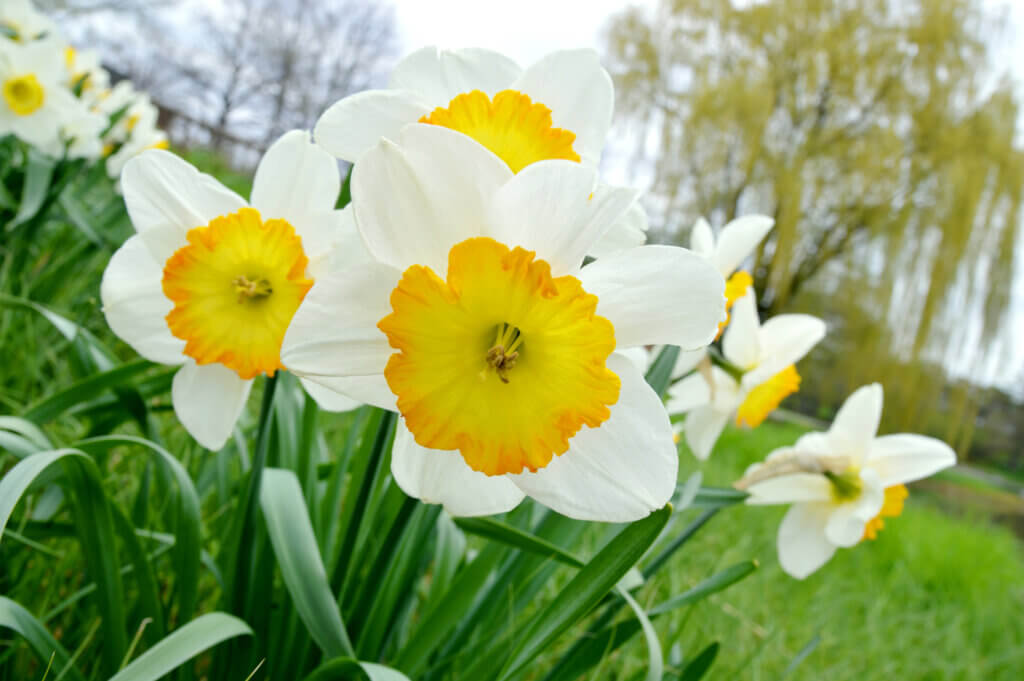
{"points": [[719, 360], [238, 550]]}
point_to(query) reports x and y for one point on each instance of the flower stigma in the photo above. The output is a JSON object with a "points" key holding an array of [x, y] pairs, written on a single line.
{"points": [[503, 354], [846, 486]]}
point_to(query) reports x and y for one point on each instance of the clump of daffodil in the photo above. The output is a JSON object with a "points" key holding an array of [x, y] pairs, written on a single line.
{"points": [[35, 102], [841, 483], [21, 22], [558, 108], [479, 323], [211, 283], [757, 373]]}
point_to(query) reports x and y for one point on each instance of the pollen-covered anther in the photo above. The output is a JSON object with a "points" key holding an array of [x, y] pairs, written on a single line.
{"points": [[252, 288], [504, 353]]}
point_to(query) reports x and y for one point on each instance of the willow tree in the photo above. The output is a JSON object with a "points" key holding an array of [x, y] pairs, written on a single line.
{"points": [[879, 135]]}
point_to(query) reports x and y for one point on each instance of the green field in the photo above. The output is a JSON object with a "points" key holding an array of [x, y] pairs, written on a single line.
{"points": [[939, 594]]}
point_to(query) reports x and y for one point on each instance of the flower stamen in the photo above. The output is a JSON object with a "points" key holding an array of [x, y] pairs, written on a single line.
{"points": [[254, 288]]}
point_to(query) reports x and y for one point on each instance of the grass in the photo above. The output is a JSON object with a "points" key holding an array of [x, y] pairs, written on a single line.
{"points": [[937, 596]]}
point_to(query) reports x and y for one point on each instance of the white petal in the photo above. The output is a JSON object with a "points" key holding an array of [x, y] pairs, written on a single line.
{"points": [[906, 457], [330, 238], [435, 476], [629, 232], [372, 390], [351, 126], [208, 400], [333, 243], [334, 332], [738, 239], [784, 341], [856, 423], [166, 197], [688, 394], [579, 92], [846, 523], [702, 240], [802, 545], [327, 399], [639, 356], [554, 209], [135, 305], [618, 472], [417, 198], [657, 294], [687, 361], [740, 343], [295, 177], [439, 75], [787, 489], [703, 427]]}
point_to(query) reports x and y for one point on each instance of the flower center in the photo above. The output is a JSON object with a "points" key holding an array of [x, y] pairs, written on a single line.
{"points": [[518, 130], [846, 486], [24, 95], [763, 399], [500, 361], [892, 506], [235, 288]]}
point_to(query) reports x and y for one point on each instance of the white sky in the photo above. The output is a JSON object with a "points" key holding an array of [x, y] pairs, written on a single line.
{"points": [[523, 29]]}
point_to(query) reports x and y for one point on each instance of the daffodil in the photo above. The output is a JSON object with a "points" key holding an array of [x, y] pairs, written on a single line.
{"points": [[22, 22], [737, 240], [85, 74], [841, 483], [760, 374], [559, 108], [211, 283], [36, 103], [480, 325], [144, 135]]}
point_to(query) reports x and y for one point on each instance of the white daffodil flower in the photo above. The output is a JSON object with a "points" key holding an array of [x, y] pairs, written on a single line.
{"points": [[211, 284], [738, 240], [142, 136], [841, 483], [85, 72], [559, 108], [22, 22], [763, 356], [80, 136], [480, 325], [36, 102]]}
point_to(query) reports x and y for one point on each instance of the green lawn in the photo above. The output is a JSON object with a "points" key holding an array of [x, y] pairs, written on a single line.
{"points": [[938, 595]]}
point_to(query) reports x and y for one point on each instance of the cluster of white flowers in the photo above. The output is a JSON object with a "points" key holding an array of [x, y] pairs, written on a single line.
{"points": [[485, 285], [59, 100]]}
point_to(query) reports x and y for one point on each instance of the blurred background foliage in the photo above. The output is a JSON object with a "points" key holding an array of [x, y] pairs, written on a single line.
{"points": [[880, 136]]}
